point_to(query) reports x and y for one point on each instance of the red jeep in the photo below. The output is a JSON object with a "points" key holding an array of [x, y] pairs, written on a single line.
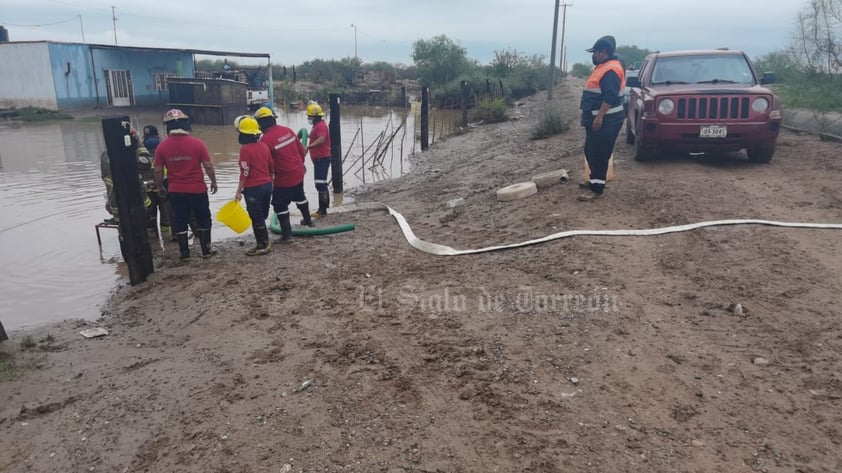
{"points": [[701, 101]]}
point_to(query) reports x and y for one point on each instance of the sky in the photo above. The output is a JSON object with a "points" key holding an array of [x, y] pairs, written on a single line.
{"points": [[381, 30]]}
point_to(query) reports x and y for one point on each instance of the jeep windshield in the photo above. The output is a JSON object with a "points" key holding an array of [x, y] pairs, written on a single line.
{"points": [[708, 69]]}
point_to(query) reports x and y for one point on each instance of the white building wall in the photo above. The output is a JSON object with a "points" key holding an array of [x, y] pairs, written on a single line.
{"points": [[26, 78]]}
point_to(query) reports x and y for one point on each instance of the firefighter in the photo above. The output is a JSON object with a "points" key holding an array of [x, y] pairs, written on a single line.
{"points": [[319, 149], [256, 169], [288, 157], [105, 171], [602, 113], [185, 157]]}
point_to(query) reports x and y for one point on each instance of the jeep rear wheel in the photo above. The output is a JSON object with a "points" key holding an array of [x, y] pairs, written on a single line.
{"points": [[760, 154]]}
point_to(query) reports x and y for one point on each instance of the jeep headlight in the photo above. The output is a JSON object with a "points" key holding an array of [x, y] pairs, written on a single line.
{"points": [[666, 106], [760, 105]]}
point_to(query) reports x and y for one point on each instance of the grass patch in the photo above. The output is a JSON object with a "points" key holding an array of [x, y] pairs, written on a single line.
{"points": [[33, 114], [8, 370], [489, 111], [28, 342], [551, 122]]}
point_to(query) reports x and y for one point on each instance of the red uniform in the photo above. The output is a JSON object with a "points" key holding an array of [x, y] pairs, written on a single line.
{"points": [[256, 164], [287, 155], [321, 151], [183, 155]]}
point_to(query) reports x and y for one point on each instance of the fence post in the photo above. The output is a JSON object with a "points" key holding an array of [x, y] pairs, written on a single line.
{"points": [[425, 118], [134, 242], [464, 104], [335, 143]]}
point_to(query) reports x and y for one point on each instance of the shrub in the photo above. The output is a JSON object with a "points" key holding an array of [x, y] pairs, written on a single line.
{"points": [[490, 111], [551, 122]]}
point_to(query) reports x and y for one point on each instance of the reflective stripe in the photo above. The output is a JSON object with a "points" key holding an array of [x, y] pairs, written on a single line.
{"points": [[301, 203], [596, 91], [597, 181], [320, 181], [284, 143], [283, 213], [618, 108]]}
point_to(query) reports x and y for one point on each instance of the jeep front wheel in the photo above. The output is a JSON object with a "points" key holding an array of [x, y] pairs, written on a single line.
{"points": [[760, 154], [641, 153]]}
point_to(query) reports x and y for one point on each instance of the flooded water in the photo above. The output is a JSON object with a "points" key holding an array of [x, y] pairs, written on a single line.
{"points": [[51, 196]]}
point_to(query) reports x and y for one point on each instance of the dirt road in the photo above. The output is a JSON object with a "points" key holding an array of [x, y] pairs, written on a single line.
{"points": [[357, 353]]}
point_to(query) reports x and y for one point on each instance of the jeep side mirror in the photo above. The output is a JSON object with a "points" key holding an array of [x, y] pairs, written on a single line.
{"points": [[768, 78], [633, 82]]}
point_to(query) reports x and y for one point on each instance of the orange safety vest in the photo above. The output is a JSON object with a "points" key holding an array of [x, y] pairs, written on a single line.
{"points": [[599, 71]]}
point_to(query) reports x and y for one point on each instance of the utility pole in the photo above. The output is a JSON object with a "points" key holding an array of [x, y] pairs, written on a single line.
{"points": [[552, 54], [355, 40], [114, 22], [563, 24], [82, 27]]}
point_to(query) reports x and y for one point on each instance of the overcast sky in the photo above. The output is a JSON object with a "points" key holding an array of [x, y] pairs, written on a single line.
{"points": [[385, 30]]}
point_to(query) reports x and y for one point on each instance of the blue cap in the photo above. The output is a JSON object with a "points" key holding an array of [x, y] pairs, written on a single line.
{"points": [[606, 43]]}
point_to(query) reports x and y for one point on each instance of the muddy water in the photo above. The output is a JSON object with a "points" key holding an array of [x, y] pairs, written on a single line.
{"points": [[51, 195]]}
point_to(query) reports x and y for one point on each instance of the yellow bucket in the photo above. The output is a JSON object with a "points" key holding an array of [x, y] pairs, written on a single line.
{"points": [[235, 216]]}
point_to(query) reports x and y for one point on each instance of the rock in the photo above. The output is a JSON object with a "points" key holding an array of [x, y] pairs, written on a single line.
{"points": [[455, 202], [760, 361], [697, 443], [286, 468], [574, 380]]}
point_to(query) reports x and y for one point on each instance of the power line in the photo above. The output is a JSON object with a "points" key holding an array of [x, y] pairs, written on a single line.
{"points": [[75, 17]]}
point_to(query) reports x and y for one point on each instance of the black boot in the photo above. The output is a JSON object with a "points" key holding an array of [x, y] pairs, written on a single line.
{"points": [[286, 228], [324, 203], [261, 235], [307, 221], [183, 246], [205, 242]]}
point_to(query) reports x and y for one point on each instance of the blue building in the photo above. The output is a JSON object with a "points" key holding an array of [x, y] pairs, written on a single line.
{"points": [[62, 76]]}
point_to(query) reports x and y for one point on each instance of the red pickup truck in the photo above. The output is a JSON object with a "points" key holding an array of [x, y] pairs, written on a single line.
{"points": [[701, 101]]}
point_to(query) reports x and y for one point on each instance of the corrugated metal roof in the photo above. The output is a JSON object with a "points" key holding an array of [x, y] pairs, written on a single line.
{"points": [[206, 52]]}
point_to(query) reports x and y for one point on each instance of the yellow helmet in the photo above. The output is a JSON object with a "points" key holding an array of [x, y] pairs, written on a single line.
{"points": [[313, 109], [238, 120], [248, 126], [264, 112]]}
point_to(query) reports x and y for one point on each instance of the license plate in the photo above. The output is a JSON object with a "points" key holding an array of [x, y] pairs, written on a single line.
{"points": [[713, 131]]}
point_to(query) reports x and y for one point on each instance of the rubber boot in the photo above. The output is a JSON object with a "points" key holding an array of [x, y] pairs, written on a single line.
{"points": [[183, 246], [307, 221], [261, 236], [263, 244], [205, 242], [286, 229], [324, 203]]}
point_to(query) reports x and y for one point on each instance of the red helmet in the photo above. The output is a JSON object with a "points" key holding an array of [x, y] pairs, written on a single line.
{"points": [[175, 114]]}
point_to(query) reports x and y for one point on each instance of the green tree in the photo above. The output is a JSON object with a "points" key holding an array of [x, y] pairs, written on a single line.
{"points": [[439, 60], [632, 55], [506, 61], [580, 69]]}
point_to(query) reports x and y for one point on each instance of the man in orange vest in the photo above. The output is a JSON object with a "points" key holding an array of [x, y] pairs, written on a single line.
{"points": [[602, 113]]}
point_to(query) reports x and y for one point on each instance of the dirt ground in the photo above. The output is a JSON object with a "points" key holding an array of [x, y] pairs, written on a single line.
{"points": [[355, 352]]}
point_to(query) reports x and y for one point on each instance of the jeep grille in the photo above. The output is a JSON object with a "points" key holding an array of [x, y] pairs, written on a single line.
{"points": [[729, 107]]}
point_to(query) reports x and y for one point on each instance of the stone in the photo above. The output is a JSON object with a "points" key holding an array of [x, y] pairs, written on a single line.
{"points": [[760, 361]]}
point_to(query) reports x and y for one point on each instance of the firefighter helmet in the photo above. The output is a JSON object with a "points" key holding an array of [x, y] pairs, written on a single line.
{"points": [[314, 109], [248, 126], [264, 112], [175, 114]]}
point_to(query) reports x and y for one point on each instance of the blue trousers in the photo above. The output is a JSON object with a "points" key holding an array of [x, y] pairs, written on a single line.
{"points": [[320, 169], [184, 203], [257, 203]]}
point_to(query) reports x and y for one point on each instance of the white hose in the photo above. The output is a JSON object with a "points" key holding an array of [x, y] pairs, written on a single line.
{"points": [[442, 250]]}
